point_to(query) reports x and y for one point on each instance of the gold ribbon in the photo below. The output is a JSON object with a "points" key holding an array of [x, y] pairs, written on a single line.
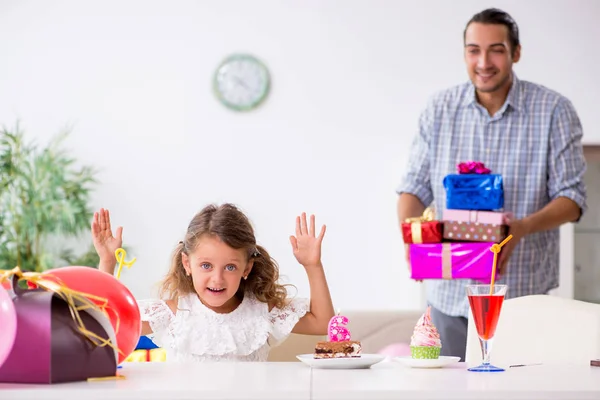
{"points": [[107, 378], [416, 232], [71, 297], [415, 224], [120, 255], [446, 261]]}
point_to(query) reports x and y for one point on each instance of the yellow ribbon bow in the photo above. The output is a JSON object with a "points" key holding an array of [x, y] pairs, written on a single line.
{"points": [[415, 224], [120, 254]]}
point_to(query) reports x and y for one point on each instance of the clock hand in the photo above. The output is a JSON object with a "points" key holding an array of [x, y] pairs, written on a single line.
{"points": [[240, 82]]}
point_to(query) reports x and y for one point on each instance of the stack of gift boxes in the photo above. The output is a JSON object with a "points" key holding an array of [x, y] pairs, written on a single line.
{"points": [[458, 246]]}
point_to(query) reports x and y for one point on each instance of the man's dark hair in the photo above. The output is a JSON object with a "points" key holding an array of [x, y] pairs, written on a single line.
{"points": [[497, 17]]}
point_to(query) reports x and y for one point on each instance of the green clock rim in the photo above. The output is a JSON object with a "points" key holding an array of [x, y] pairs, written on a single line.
{"points": [[263, 95]]}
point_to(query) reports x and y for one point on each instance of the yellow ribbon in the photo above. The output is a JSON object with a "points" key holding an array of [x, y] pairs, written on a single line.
{"points": [[106, 378], [120, 254], [415, 224], [71, 297], [416, 232], [428, 215]]}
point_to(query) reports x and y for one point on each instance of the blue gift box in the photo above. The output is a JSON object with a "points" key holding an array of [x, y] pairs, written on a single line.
{"points": [[145, 343], [482, 192]]}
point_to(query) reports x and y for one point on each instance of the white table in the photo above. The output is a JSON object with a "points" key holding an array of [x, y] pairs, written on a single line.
{"points": [[391, 380], [387, 380], [201, 381]]}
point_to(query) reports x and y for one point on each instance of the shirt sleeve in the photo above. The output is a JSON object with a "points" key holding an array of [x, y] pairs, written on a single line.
{"points": [[160, 317], [565, 158], [416, 180], [284, 319]]}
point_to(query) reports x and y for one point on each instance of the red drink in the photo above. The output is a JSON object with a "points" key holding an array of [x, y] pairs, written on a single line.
{"points": [[486, 310], [486, 303]]}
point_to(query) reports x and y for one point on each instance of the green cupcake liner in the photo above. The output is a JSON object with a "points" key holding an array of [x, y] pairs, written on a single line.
{"points": [[425, 352]]}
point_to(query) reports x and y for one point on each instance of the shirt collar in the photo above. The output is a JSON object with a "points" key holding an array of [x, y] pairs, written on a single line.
{"points": [[514, 98]]}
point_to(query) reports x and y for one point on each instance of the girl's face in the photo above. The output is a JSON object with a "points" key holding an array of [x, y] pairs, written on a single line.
{"points": [[217, 271]]}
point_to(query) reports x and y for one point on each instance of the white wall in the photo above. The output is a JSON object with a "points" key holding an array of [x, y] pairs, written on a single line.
{"points": [[132, 78]]}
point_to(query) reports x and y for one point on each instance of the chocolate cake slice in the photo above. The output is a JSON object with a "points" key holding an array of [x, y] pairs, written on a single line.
{"points": [[345, 349]]}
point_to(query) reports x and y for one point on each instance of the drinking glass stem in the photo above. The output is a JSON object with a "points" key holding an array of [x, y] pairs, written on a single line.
{"points": [[486, 349]]}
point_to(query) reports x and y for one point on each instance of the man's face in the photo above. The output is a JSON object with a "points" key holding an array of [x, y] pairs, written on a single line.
{"points": [[488, 56]]}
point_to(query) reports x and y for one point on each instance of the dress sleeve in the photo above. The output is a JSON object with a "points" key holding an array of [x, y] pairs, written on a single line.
{"points": [[284, 319], [160, 317]]}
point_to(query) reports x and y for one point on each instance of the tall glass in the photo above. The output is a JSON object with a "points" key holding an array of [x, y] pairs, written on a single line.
{"points": [[486, 311]]}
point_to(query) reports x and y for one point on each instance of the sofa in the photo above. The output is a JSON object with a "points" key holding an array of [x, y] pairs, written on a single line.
{"points": [[375, 329]]}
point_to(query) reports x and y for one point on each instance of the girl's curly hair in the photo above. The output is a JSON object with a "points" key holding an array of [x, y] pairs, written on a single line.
{"points": [[230, 225]]}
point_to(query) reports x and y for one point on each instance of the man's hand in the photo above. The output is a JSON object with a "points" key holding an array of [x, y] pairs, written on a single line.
{"points": [[518, 229]]}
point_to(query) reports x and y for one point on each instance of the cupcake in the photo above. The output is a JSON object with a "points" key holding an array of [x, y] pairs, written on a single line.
{"points": [[425, 342]]}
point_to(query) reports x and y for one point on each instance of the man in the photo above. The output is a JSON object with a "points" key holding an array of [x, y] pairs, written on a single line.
{"points": [[527, 133]]}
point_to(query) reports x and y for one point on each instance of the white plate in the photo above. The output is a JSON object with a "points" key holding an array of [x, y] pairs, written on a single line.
{"points": [[362, 362], [421, 363]]}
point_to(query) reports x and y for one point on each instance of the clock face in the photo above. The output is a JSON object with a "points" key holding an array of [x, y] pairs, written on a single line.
{"points": [[241, 82]]}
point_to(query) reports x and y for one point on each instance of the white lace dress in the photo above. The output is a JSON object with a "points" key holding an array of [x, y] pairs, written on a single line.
{"points": [[196, 333]]}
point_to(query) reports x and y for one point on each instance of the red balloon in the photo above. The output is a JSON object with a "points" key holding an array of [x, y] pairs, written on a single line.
{"points": [[120, 301]]}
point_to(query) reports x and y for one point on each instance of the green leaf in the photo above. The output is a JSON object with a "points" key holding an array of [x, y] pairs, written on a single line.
{"points": [[44, 193]]}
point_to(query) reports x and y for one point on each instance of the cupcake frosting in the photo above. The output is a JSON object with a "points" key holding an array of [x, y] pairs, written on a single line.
{"points": [[425, 333]]}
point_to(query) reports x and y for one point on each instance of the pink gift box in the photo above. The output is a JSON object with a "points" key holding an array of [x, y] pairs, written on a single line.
{"points": [[482, 217], [460, 260]]}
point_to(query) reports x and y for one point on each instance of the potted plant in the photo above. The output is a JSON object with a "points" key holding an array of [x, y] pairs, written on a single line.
{"points": [[44, 199]]}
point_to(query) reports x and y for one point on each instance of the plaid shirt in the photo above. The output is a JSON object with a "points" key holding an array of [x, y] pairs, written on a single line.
{"points": [[533, 141]]}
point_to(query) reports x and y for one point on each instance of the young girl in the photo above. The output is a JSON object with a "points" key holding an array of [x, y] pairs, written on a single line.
{"points": [[220, 299]]}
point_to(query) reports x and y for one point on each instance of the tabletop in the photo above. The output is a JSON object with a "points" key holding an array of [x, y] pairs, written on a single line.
{"points": [[295, 380], [391, 380], [174, 381]]}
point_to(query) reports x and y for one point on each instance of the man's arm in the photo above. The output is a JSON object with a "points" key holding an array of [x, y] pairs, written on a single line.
{"points": [[558, 212], [566, 166], [409, 206]]}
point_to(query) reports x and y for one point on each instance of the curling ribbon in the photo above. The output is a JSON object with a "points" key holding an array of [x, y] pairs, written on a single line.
{"points": [[120, 254], [71, 297]]}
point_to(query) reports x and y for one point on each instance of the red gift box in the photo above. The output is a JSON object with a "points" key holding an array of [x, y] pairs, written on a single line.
{"points": [[423, 229]]}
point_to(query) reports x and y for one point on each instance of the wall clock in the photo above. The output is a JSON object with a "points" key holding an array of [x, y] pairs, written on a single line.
{"points": [[241, 82]]}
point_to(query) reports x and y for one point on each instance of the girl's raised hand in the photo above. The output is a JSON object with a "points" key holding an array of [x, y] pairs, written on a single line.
{"points": [[305, 245], [104, 242]]}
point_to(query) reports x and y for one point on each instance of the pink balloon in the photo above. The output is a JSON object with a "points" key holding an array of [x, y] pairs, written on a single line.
{"points": [[8, 322]]}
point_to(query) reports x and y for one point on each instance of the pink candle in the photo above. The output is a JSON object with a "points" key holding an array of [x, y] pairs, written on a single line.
{"points": [[337, 329]]}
